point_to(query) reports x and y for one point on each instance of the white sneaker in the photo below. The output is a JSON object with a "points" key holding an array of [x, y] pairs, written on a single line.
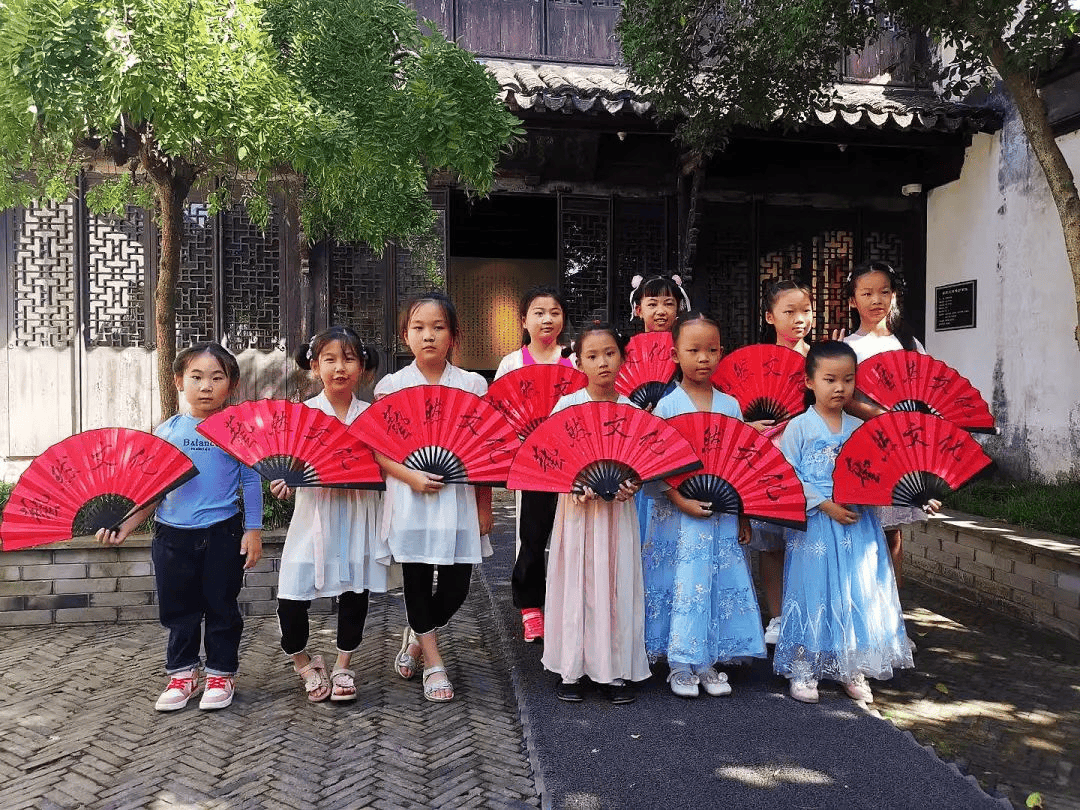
{"points": [[859, 689], [772, 632], [804, 691], [219, 692], [684, 683], [182, 687]]}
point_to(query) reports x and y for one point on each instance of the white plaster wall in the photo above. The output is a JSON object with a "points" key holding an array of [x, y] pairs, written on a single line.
{"points": [[998, 225]]}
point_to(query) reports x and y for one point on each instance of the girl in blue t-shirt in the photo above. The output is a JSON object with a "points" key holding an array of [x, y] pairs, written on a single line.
{"points": [[202, 543]]}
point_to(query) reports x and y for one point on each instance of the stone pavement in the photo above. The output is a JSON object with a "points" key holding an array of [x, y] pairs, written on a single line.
{"points": [[78, 729], [999, 698]]}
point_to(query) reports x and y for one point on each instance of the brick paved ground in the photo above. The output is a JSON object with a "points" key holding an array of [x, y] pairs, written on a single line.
{"points": [[78, 729], [1000, 698]]}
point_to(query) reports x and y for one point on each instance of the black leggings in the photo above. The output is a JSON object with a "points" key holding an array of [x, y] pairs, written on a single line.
{"points": [[537, 516], [293, 618], [426, 610]]}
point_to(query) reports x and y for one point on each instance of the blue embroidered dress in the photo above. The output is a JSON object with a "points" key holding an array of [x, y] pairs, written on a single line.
{"points": [[700, 605], [841, 613]]}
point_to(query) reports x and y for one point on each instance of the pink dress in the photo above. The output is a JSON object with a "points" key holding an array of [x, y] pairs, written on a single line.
{"points": [[594, 609]]}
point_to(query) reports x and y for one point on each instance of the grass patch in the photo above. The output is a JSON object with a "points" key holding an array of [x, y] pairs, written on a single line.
{"points": [[1046, 507]]}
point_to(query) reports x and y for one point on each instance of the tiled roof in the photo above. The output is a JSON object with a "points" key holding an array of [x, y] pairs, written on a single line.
{"points": [[604, 90]]}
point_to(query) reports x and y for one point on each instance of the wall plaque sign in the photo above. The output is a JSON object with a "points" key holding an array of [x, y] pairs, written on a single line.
{"points": [[954, 306]]}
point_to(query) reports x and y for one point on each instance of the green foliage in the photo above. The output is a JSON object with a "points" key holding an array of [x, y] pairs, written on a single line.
{"points": [[1045, 507], [718, 64], [398, 105], [276, 514]]}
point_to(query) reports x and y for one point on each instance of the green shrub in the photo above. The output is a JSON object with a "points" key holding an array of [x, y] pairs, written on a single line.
{"points": [[1045, 507]]}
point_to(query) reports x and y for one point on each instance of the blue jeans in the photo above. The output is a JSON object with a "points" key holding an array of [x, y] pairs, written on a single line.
{"points": [[199, 573]]}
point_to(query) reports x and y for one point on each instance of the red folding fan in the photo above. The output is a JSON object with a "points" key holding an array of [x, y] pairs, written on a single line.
{"points": [[646, 373], [743, 471], [441, 430], [90, 481], [909, 381], [599, 445], [905, 458], [767, 380], [526, 395], [301, 445]]}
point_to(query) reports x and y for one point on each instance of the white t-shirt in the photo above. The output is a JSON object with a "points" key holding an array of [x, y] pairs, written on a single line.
{"points": [[868, 345]]}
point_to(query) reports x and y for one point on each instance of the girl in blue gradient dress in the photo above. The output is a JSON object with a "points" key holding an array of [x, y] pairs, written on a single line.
{"points": [[700, 606], [841, 617]]}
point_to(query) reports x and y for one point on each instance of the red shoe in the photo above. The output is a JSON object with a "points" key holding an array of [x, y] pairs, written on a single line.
{"points": [[532, 623]]}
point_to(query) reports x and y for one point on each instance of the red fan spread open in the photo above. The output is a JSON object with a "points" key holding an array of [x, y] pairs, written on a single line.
{"points": [[905, 458], [743, 471], [289, 440], [646, 374], [526, 395], [766, 380], [599, 445], [90, 481], [441, 430], [909, 381]]}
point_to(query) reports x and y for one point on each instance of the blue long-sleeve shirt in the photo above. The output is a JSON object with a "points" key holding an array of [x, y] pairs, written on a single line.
{"points": [[213, 495]]}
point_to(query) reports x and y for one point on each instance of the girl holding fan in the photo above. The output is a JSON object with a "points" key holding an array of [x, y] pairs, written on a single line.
{"points": [[790, 312], [428, 526], [595, 611], [330, 547], [202, 542], [841, 618], [543, 320], [874, 291], [700, 605]]}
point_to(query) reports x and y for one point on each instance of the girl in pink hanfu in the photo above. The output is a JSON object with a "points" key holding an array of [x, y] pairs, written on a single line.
{"points": [[595, 591]]}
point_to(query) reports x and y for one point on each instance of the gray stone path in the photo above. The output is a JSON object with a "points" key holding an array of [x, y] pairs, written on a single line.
{"points": [[78, 729]]}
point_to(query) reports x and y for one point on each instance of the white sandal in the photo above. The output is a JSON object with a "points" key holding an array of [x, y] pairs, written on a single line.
{"points": [[404, 660], [713, 682], [443, 684], [315, 682], [343, 684]]}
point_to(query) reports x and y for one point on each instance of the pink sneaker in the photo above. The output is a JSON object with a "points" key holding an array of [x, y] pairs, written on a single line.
{"points": [[859, 689], [182, 686], [532, 624], [219, 692]]}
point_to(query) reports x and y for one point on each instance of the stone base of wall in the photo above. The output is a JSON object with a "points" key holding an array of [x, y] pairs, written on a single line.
{"points": [[82, 581], [1030, 576]]}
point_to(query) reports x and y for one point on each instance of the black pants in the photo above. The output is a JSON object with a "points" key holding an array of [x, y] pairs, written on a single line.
{"points": [[427, 610], [293, 620], [530, 570], [199, 573]]}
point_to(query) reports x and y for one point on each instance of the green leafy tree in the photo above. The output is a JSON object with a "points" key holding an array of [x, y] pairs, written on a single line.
{"points": [[230, 94], [715, 64]]}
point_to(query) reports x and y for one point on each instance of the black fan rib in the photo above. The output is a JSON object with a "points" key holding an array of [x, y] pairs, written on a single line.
{"points": [[604, 478], [765, 408], [105, 511], [648, 394], [917, 488], [713, 489], [293, 471], [437, 461], [914, 406]]}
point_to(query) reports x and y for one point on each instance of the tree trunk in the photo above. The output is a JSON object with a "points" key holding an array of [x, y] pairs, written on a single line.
{"points": [[172, 181], [1045, 146]]}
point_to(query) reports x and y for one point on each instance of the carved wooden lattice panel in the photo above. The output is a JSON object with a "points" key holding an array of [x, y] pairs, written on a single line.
{"points": [[724, 269], [195, 299], [584, 231], [358, 291], [251, 273], [884, 247], [116, 279], [42, 281], [833, 258], [640, 249]]}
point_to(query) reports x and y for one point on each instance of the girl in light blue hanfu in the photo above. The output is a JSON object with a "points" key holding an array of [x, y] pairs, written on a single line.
{"points": [[841, 613], [700, 606]]}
